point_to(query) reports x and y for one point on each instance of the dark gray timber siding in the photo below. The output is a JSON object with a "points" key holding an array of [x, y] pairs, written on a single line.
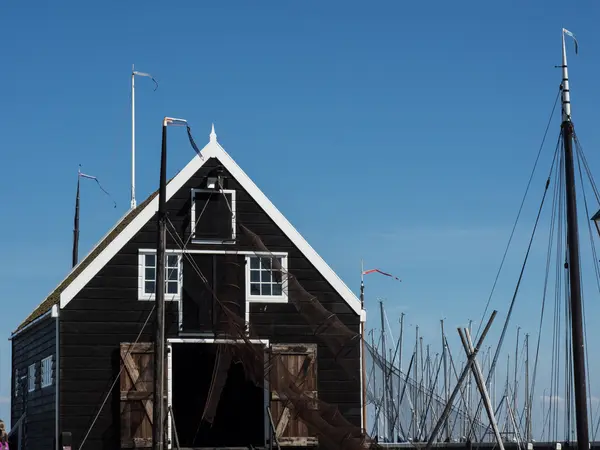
{"points": [[30, 347], [106, 312]]}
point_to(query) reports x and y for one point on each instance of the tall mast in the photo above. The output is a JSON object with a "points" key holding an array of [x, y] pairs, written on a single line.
{"points": [[581, 413], [445, 359], [416, 385], [158, 432], [400, 343], [515, 374], [76, 222], [376, 421], [133, 204], [527, 399], [385, 378]]}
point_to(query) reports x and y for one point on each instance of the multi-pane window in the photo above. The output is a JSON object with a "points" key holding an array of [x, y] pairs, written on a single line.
{"points": [[31, 378], [147, 287], [46, 371], [266, 276]]}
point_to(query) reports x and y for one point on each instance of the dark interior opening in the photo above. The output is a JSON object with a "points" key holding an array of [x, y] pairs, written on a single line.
{"points": [[240, 416], [214, 219]]}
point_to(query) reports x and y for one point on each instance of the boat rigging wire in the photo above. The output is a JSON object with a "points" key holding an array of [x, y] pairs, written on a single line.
{"points": [[117, 379], [519, 212], [516, 291]]}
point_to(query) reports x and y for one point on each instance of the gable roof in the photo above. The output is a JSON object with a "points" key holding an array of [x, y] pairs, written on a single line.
{"points": [[135, 219], [54, 297]]}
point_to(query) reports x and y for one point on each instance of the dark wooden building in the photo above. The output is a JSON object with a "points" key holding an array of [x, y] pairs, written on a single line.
{"points": [[82, 360]]}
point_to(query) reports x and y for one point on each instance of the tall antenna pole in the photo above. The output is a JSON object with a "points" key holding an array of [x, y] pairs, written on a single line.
{"points": [[133, 75], [133, 204], [362, 343], [76, 222], [578, 343]]}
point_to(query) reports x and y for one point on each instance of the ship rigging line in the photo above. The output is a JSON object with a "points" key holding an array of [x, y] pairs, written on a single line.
{"points": [[487, 305], [117, 378], [514, 297]]}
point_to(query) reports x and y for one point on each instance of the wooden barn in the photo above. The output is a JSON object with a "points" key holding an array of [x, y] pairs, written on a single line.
{"points": [[82, 360]]}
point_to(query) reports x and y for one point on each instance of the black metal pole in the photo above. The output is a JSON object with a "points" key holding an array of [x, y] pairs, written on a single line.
{"points": [[158, 432], [76, 226], [581, 413]]}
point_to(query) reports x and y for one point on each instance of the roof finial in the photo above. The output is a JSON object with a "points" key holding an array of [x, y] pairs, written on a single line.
{"points": [[213, 135]]}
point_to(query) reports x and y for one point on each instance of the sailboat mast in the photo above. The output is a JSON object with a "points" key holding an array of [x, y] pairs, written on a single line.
{"points": [[527, 399], [515, 391], [445, 359], [384, 406], [76, 222], [581, 413]]}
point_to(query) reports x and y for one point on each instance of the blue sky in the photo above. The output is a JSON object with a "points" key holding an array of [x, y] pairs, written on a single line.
{"points": [[398, 132]]}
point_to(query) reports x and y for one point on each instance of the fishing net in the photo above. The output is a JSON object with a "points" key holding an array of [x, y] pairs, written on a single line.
{"points": [[413, 407], [297, 398]]}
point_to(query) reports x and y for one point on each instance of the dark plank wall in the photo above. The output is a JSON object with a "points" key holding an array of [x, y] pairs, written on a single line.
{"points": [[106, 312], [31, 346]]}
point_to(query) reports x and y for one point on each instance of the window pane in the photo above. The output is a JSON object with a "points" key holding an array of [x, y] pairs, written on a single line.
{"points": [[254, 275], [265, 262], [172, 287], [254, 289], [276, 289], [150, 273], [265, 276], [172, 260], [254, 263], [266, 289], [150, 260], [149, 287], [172, 274]]}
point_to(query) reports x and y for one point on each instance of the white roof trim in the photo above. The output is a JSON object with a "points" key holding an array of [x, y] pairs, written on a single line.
{"points": [[212, 149]]}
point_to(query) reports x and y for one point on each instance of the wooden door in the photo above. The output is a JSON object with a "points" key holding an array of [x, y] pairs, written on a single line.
{"points": [[299, 364], [137, 389]]}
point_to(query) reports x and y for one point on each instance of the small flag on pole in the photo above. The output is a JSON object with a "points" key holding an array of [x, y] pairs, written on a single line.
{"points": [[90, 177], [366, 272], [175, 122]]}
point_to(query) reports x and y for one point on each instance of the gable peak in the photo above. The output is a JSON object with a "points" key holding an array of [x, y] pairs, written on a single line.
{"points": [[213, 135]]}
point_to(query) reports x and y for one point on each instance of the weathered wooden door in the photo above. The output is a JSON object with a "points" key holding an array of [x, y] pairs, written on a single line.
{"points": [[137, 389], [300, 361]]}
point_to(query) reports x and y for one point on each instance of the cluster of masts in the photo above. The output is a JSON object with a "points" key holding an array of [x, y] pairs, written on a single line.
{"points": [[407, 400]]}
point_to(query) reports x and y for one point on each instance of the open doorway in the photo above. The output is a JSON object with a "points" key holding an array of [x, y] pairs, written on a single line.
{"points": [[240, 415]]}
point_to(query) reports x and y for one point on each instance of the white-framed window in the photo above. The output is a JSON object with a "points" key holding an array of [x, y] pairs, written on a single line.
{"points": [[31, 378], [265, 282], [212, 216], [147, 275], [46, 371]]}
